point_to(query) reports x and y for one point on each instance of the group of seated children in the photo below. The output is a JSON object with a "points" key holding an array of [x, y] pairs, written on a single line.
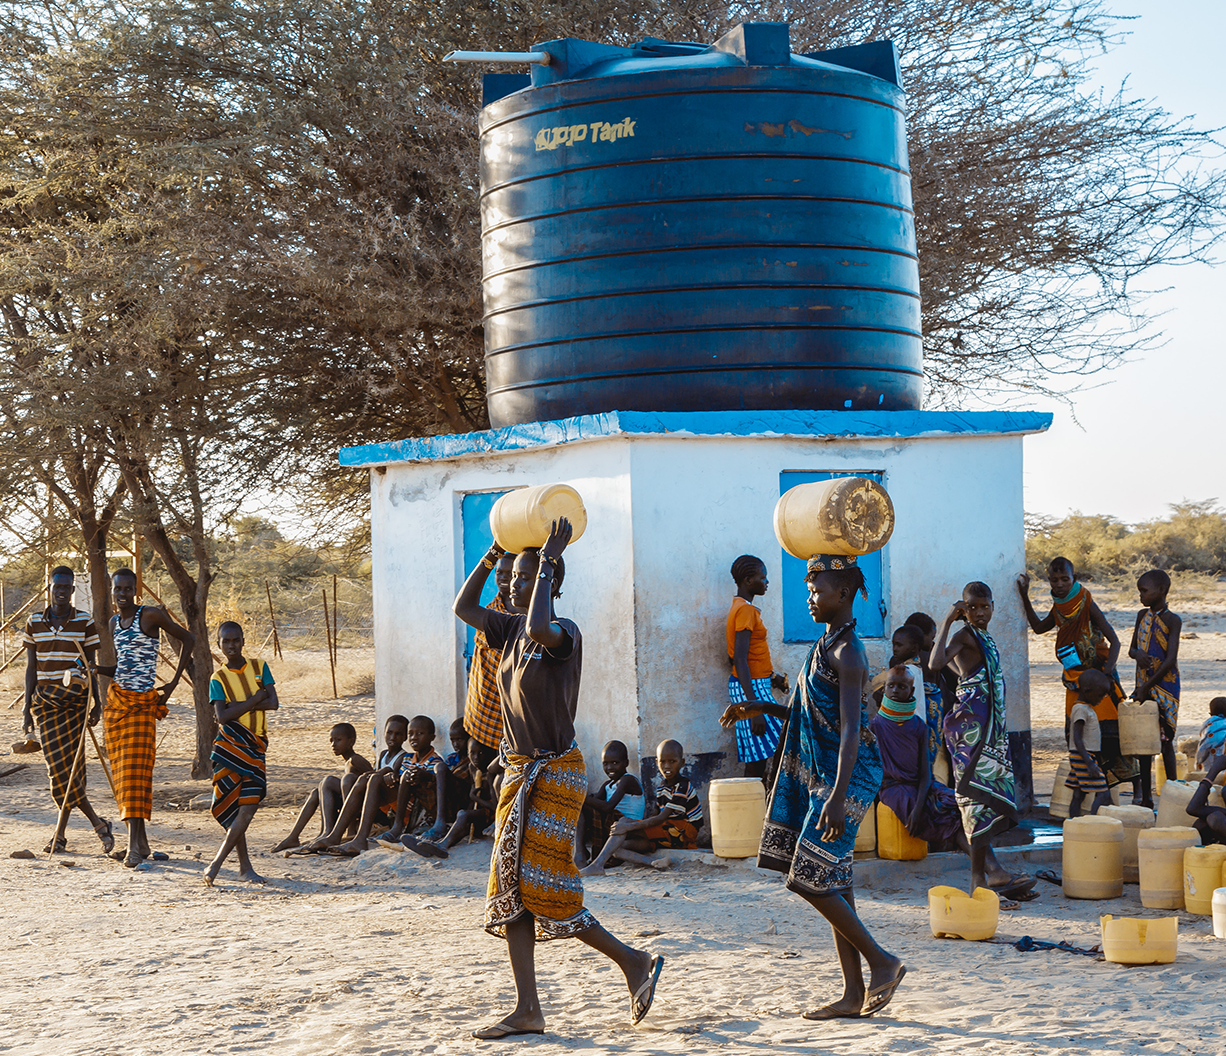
{"points": [[411, 799], [625, 824]]}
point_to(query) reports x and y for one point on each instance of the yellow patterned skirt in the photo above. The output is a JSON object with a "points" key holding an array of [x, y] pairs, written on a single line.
{"points": [[533, 866]]}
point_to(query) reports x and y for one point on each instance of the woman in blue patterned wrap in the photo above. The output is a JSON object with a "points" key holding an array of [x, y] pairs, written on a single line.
{"points": [[828, 775]]}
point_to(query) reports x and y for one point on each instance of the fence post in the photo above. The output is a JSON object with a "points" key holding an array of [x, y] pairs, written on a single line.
{"points": [[328, 632]]}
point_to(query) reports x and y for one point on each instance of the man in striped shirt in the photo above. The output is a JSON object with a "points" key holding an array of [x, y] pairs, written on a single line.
{"points": [[56, 640]]}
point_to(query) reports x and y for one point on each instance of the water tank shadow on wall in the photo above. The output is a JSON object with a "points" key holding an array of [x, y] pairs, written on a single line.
{"points": [[680, 227]]}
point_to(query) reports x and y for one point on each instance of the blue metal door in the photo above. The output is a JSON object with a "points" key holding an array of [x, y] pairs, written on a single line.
{"points": [[475, 526], [798, 625]]}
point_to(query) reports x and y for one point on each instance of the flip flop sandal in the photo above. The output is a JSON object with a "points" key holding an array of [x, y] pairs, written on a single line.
{"points": [[640, 1003], [1007, 904], [426, 848], [107, 836], [337, 852], [1016, 888], [830, 1012], [1050, 876], [504, 1030], [1024, 896], [880, 996]]}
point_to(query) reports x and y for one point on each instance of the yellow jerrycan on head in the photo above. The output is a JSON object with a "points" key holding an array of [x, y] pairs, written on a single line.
{"points": [[847, 515], [523, 518]]}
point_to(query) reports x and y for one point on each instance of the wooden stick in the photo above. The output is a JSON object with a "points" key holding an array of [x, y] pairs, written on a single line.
{"points": [[276, 640], [328, 632], [105, 769], [336, 631]]}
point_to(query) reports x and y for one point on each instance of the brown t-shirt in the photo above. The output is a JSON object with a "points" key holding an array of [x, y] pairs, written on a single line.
{"points": [[539, 688]]}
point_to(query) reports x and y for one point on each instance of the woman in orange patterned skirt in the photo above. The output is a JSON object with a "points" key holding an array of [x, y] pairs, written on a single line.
{"points": [[535, 893]]}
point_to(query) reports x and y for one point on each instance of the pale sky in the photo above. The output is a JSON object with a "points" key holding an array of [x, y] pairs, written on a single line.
{"points": [[1150, 433]]}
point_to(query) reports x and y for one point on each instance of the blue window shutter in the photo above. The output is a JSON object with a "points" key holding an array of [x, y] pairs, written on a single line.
{"points": [[475, 525]]}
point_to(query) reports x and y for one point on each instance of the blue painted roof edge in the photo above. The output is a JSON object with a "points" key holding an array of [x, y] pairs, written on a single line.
{"points": [[866, 424]]}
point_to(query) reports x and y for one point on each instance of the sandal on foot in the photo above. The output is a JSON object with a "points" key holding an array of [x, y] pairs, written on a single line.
{"points": [[504, 1030], [1015, 887], [61, 844], [1007, 904], [131, 860], [880, 996], [106, 833], [830, 1012], [640, 1003]]}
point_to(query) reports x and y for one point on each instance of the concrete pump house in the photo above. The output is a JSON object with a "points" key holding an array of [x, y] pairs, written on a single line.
{"points": [[672, 499]]}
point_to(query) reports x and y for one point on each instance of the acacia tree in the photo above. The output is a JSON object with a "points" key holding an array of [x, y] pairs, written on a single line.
{"points": [[130, 325]]}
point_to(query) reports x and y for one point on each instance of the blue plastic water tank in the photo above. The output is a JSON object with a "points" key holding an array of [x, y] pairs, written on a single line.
{"points": [[679, 227]]}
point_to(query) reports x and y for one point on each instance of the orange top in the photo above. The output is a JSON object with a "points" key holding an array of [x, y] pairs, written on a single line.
{"points": [[745, 617]]}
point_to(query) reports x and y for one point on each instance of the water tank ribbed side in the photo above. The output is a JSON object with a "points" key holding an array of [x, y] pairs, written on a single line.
{"points": [[739, 237]]}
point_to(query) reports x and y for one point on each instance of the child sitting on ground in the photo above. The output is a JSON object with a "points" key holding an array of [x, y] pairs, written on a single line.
{"points": [[459, 770], [422, 796], [675, 823], [927, 808], [1210, 821], [372, 796], [330, 794], [474, 819], [621, 796], [1212, 740], [1087, 769]]}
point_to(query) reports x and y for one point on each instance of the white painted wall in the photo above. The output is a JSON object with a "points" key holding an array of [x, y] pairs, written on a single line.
{"points": [[649, 584]]}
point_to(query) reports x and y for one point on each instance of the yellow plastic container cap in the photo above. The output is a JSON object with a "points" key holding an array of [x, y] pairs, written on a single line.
{"points": [[953, 914], [524, 517], [1137, 940], [738, 809], [1093, 857], [1202, 875]]}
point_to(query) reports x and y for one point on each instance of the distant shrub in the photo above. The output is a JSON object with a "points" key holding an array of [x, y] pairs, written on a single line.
{"points": [[1191, 539]]}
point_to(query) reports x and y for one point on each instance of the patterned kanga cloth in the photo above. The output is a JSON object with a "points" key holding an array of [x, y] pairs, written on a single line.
{"points": [[809, 763], [751, 748], [130, 720], [978, 743], [1075, 629], [1153, 639], [61, 725], [533, 866], [239, 777]]}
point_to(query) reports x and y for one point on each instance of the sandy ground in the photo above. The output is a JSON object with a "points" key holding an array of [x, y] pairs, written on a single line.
{"points": [[384, 954]]}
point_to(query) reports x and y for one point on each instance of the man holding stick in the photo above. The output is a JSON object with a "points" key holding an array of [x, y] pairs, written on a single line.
{"points": [[134, 706], [60, 646]]}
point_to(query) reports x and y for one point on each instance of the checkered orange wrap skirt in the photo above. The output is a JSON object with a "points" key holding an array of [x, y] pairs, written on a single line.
{"points": [[130, 720], [533, 866]]}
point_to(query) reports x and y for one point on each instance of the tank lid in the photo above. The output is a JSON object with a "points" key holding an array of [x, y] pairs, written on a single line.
{"points": [[749, 44]]}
